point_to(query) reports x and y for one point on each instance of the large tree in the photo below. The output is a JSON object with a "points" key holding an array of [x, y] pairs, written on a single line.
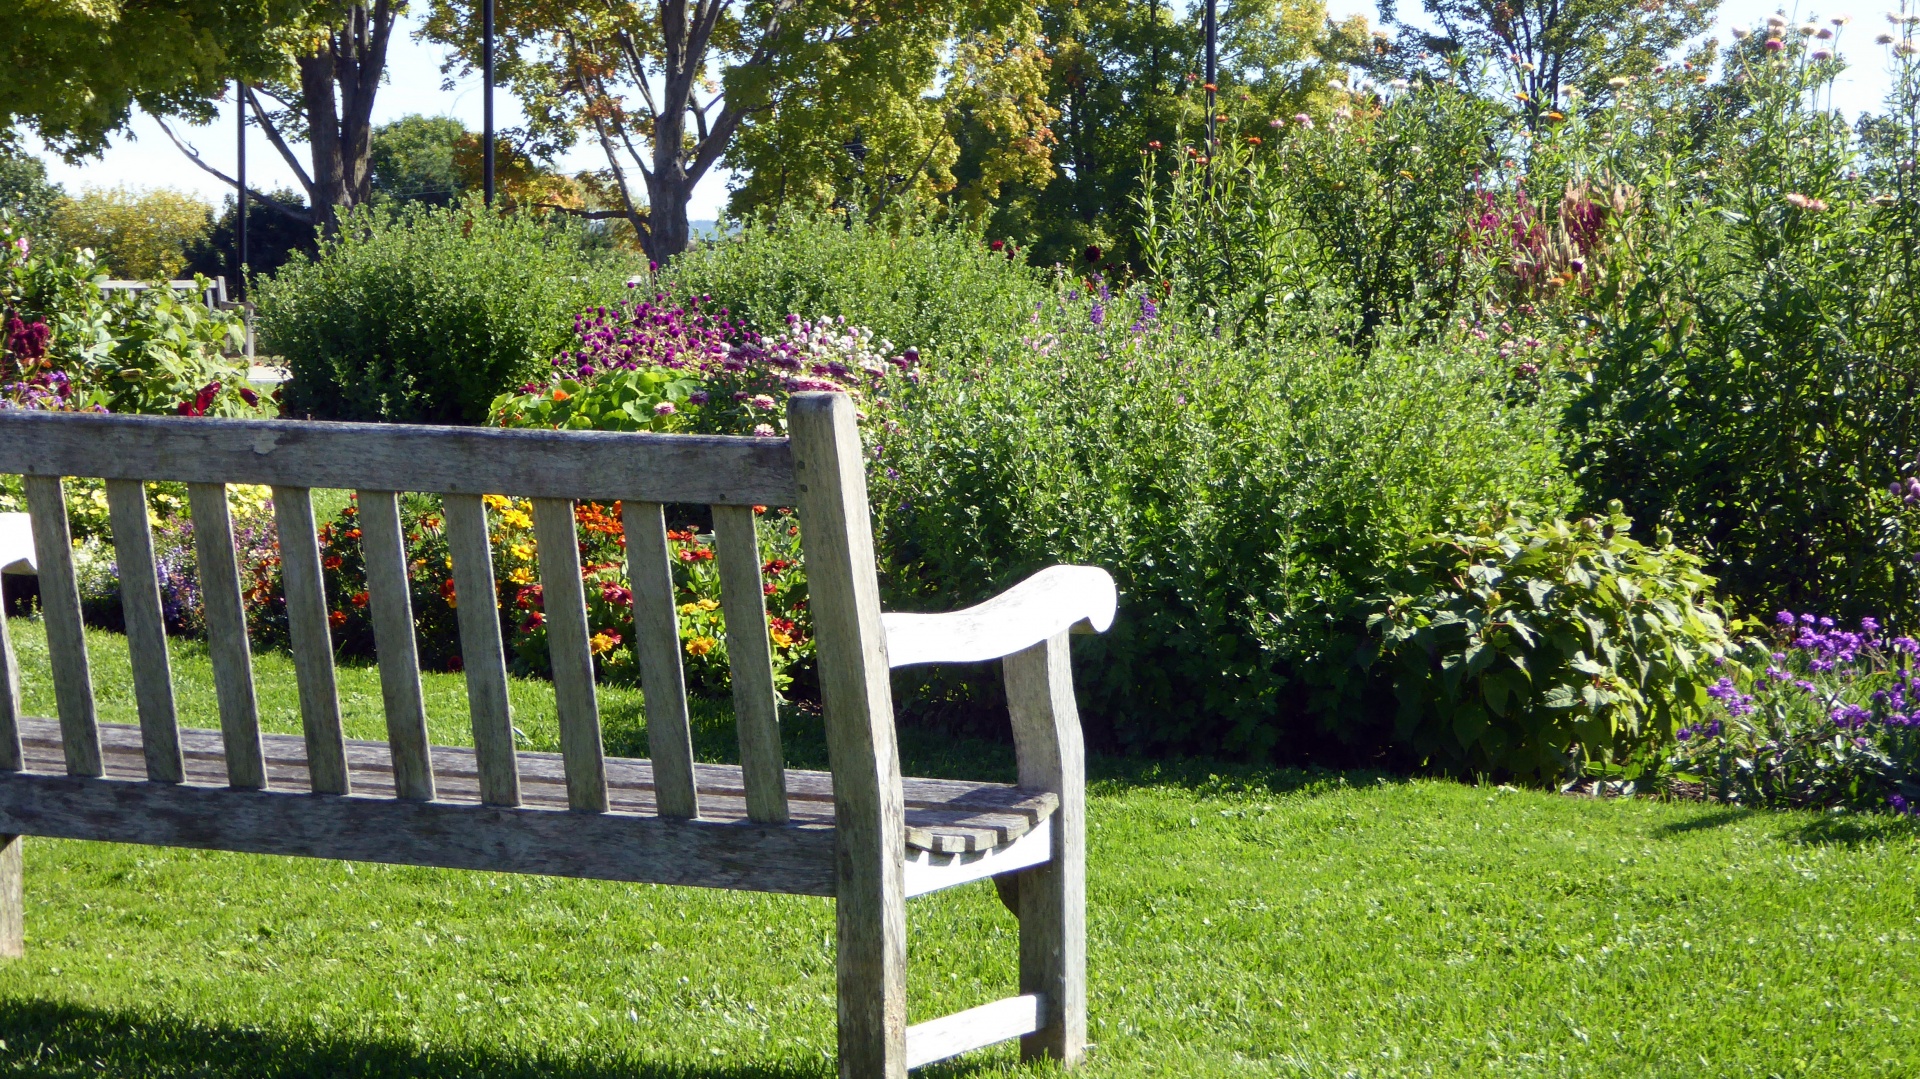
{"points": [[77, 70], [664, 88], [1544, 47]]}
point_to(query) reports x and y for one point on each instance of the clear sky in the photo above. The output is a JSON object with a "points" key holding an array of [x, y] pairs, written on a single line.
{"points": [[146, 158]]}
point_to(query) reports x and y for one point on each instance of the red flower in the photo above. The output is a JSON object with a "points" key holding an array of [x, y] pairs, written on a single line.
{"points": [[534, 620], [332, 561], [358, 599], [456, 664], [337, 618]]}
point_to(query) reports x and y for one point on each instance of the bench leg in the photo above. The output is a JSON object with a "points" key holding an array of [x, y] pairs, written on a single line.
{"points": [[13, 914], [871, 962], [1053, 897]]}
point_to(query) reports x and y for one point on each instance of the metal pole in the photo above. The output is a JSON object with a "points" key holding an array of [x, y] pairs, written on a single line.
{"points": [[240, 199], [1213, 71], [486, 99]]}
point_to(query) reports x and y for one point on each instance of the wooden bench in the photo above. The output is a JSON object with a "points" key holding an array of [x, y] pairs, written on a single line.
{"points": [[859, 833]]}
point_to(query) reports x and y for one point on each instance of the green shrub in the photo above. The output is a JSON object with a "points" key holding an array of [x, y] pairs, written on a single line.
{"points": [[940, 288], [1751, 385], [1241, 496], [1534, 650], [426, 315]]}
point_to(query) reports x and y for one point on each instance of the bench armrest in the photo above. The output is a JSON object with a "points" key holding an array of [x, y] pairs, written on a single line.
{"points": [[1077, 598]]}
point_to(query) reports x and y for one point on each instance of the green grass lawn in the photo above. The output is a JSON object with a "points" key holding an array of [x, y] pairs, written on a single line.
{"points": [[1266, 923]]}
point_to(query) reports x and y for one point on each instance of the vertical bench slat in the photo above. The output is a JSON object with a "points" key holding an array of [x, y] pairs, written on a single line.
{"points": [[227, 647], [749, 653], [11, 758], [146, 630], [564, 603], [482, 654], [656, 631], [312, 635], [66, 639], [384, 549]]}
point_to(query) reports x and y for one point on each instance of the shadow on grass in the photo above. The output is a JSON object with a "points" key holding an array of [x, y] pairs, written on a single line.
{"points": [[1853, 829], [51, 1039], [58, 1039], [1718, 818]]}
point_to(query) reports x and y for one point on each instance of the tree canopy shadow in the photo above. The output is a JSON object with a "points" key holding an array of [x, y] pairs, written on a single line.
{"points": [[45, 1038], [1718, 818]]}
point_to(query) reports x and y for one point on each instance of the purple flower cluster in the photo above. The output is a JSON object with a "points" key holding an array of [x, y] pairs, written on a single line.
{"points": [[1709, 729], [1736, 703], [657, 332]]}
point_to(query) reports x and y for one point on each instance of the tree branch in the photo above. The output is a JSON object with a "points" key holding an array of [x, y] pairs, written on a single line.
{"points": [[194, 156], [279, 143]]}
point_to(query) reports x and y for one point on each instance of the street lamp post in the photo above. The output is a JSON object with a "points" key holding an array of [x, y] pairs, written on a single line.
{"points": [[240, 187], [1213, 71], [486, 99]]}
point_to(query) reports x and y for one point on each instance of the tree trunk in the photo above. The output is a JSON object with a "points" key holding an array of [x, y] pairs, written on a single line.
{"points": [[349, 62], [668, 233]]}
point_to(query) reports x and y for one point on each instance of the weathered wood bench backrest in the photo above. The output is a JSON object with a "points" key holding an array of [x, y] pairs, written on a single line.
{"points": [[554, 469], [859, 857]]}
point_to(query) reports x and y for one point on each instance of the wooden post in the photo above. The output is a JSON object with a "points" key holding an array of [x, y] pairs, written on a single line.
{"points": [[869, 812], [66, 634], [13, 905], [1053, 897]]}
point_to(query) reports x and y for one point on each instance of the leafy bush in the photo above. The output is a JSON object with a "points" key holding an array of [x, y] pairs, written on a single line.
{"points": [[1534, 650], [1820, 717], [141, 235], [67, 344], [1241, 495], [1363, 220], [425, 315], [941, 287], [1751, 384]]}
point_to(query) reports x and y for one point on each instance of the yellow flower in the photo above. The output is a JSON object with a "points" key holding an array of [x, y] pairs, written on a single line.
{"points": [[709, 605], [521, 575], [700, 646], [601, 643], [522, 551], [781, 639], [689, 608], [516, 519], [496, 503]]}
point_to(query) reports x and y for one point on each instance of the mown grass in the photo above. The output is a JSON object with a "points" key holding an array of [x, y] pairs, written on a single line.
{"points": [[1253, 923]]}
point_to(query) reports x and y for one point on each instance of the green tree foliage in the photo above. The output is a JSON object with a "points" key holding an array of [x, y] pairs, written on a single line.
{"points": [[272, 237], [77, 69], [665, 89], [138, 235], [25, 191], [413, 159], [1542, 48], [1123, 75]]}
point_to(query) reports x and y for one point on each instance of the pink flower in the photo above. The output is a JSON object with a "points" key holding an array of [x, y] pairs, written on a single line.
{"points": [[664, 408], [764, 430], [21, 245], [1303, 120], [761, 401]]}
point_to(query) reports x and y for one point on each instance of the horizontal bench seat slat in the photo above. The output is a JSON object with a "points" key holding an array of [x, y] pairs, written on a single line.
{"points": [[944, 816], [603, 465], [554, 842]]}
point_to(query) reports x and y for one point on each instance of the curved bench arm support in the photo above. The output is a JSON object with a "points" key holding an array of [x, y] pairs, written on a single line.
{"points": [[1058, 599]]}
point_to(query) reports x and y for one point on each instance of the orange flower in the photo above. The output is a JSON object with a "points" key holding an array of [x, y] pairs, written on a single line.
{"points": [[337, 618], [359, 599], [447, 593], [332, 561], [561, 395], [700, 646]]}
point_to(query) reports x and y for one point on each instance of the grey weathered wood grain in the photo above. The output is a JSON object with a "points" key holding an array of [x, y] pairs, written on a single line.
{"points": [[13, 906], [1053, 897], [656, 631], [749, 655], [796, 859], [930, 872], [975, 1028], [384, 549], [227, 646], [870, 908], [60, 607], [564, 602], [10, 713], [604, 465], [146, 628], [482, 655], [1056, 599], [306, 591]]}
